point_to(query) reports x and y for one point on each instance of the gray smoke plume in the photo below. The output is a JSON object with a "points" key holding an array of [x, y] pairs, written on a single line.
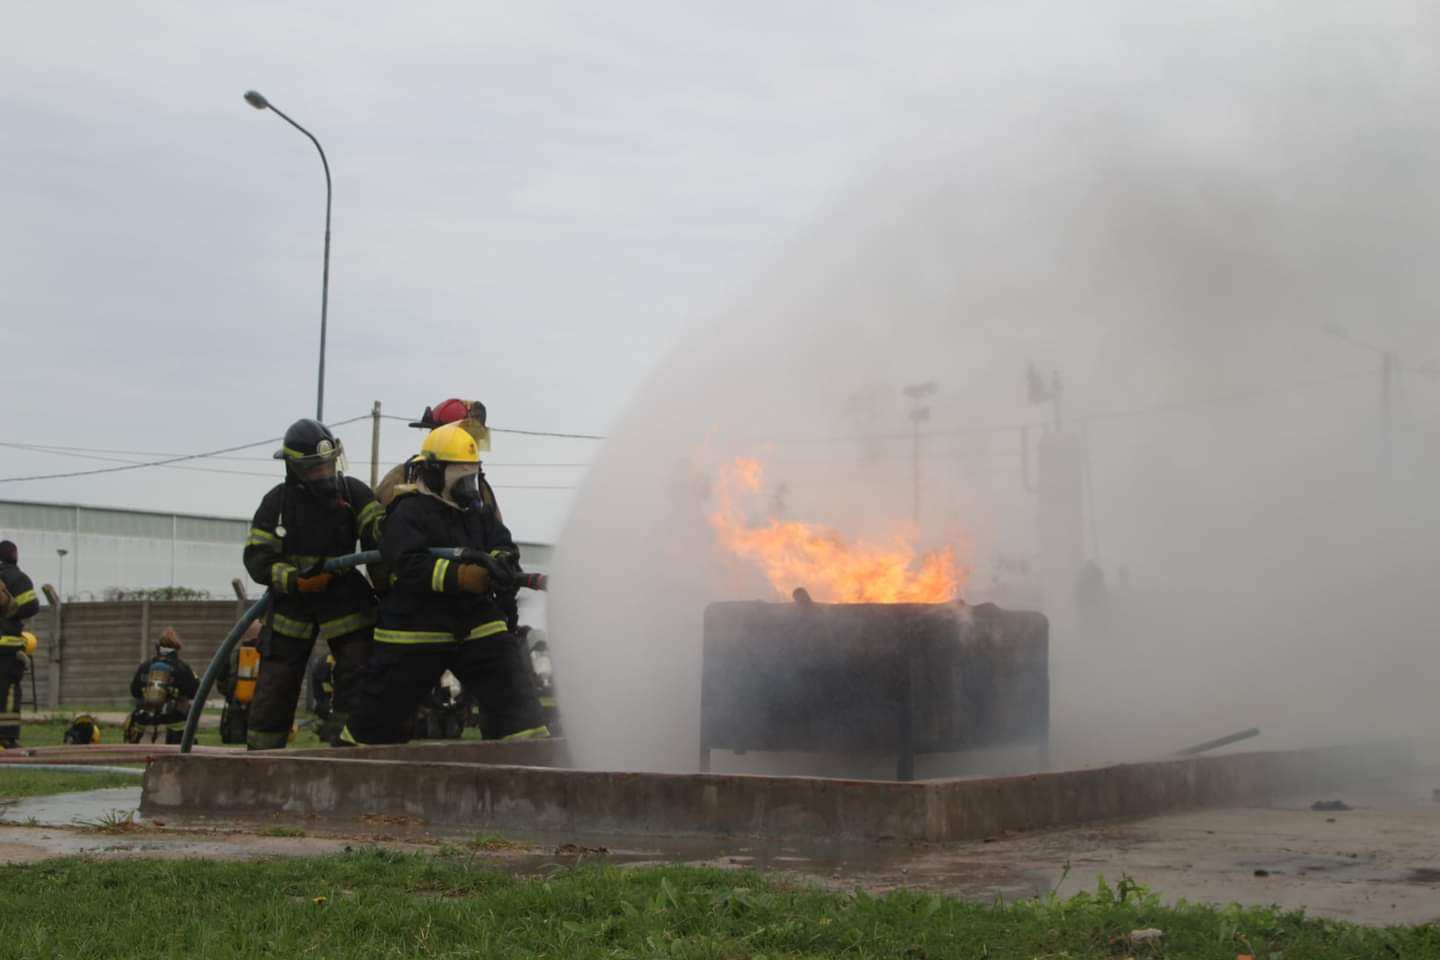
{"points": [[1213, 222]]}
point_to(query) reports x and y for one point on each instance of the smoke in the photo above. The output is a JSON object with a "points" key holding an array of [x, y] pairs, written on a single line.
{"points": [[1181, 219]]}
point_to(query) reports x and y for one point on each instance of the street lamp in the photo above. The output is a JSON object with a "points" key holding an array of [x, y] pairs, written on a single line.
{"points": [[918, 414], [1385, 457], [258, 101], [61, 552]]}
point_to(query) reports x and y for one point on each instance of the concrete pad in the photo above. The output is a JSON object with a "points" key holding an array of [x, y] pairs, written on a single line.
{"points": [[1377, 863], [524, 753], [479, 796]]}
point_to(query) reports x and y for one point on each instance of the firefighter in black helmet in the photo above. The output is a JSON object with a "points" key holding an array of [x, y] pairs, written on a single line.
{"points": [[316, 514], [443, 614]]}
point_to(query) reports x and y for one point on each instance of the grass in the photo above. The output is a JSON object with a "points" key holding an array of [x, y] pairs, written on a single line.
{"points": [[51, 733], [281, 832], [379, 904], [114, 822], [17, 782]]}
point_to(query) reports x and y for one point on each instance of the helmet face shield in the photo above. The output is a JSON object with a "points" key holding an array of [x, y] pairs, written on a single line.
{"points": [[318, 473]]}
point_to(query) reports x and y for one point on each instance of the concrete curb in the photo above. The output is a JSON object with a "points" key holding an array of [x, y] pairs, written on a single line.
{"points": [[530, 798]]}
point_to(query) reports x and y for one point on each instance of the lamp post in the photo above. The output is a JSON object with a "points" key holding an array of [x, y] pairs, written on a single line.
{"points": [[919, 413], [258, 101], [61, 552], [1385, 456]]}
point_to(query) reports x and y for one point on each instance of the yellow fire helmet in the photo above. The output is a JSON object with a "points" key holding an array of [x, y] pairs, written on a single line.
{"points": [[451, 443], [30, 641]]}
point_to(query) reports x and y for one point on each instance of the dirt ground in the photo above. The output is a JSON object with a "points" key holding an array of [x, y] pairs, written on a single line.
{"points": [[1376, 862]]}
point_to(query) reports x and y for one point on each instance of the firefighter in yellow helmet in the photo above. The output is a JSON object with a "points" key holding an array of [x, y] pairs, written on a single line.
{"points": [[470, 415], [442, 614], [18, 603]]}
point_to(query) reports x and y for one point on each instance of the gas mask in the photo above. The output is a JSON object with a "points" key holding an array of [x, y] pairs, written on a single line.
{"points": [[462, 485], [321, 480]]}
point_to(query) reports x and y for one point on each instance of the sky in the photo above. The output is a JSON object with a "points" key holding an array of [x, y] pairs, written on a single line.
{"points": [[710, 229], [533, 204]]}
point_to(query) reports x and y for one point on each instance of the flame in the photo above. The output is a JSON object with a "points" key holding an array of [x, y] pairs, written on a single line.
{"points": [[793, 554]]}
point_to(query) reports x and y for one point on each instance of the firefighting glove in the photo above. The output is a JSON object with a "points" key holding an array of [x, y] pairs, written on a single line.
{"points": [[473, 578], [316, 583]]}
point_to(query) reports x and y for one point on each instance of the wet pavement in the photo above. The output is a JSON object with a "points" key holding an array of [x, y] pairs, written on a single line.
{"points": [[1377, 862]]}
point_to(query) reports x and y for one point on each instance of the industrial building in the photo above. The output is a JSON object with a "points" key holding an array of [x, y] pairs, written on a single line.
{"points": [[88, 551]]}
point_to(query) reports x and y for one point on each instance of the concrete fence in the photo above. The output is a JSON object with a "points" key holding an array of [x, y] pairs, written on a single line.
{"points": [[88, 652]]}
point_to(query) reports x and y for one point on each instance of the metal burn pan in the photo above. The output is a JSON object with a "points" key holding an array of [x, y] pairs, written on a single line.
{"points": [[873, 678]]}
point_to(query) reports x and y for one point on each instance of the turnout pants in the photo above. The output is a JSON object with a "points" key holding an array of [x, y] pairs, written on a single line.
{"points": [[283, 660], [12, 675], [400, 676]]}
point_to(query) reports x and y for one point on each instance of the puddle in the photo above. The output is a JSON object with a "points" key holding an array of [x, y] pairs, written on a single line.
{"points": [[86, 806]]}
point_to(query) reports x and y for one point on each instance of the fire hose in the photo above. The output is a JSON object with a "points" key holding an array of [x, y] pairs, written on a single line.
{"points": [[502, 571]]}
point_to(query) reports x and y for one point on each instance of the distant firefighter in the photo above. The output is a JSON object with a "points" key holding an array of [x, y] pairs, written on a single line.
{"points": [[237, 680], [322, 696], [162, 687], [18, 603]]}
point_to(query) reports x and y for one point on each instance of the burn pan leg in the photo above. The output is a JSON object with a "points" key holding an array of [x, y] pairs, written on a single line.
{"points": [[905, 766]]}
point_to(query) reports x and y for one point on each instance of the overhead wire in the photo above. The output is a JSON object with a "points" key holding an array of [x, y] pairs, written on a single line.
{"points": [[139, 465], [517, 431]]}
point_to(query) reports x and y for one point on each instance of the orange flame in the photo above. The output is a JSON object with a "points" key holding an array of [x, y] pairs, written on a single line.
{"points": [[793, 554]]}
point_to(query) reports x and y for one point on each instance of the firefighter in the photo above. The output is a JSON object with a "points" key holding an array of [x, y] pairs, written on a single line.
{"points": [[236, 680], [542, 674], [315, 514], [18, 603], [442, 614], [83, 730], [470, 414], [162, 687], [322, 695]]}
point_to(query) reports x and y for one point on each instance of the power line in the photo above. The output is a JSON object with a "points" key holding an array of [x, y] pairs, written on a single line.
{"points": [[157, 463], [1175, 406], [53, 448], [523, 433], [242, 473]]}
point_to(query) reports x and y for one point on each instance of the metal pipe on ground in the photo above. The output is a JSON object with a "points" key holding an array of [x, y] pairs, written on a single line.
{"points": [[1224, 741], [75, 768]]}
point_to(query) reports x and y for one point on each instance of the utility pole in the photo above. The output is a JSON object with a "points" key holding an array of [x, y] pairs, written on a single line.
{"points": [[1385, 426], [375, 445], [919, 413], [1387, 423]]}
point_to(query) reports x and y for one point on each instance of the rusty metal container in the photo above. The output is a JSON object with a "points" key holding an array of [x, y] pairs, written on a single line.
{"points": [[869, 678]]}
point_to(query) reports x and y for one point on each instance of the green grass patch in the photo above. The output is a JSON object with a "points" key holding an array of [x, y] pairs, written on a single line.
{"points": [[281, 832], [380, 904], [51, 733], [17, 782]]}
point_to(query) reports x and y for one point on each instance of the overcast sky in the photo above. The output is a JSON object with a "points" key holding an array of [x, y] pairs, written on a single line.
{"points": [[533, 203]]}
